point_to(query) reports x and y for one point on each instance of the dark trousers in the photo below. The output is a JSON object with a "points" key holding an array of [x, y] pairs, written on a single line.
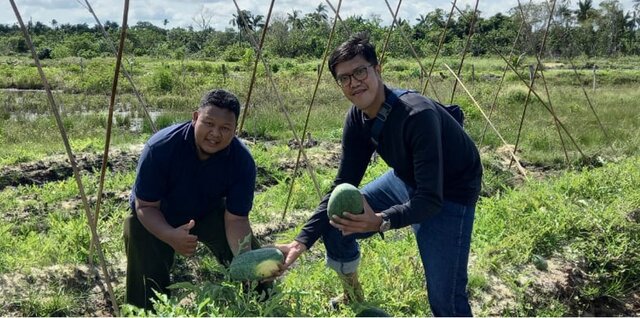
{"points": [[149, 260]]}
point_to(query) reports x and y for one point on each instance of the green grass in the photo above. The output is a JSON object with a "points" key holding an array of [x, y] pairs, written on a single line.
{"points": [[585, 212], [540, 218], [580, 216], [55, 305], [614, 102]]}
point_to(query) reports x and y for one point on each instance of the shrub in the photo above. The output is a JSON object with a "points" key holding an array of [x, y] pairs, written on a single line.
{"points": [[162, 80], [60, 51], [516, 95], [44, 53], [173, 102], [233, 53]]}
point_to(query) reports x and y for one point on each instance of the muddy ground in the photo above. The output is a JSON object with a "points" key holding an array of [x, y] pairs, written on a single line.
{"points": [[58, 167]]}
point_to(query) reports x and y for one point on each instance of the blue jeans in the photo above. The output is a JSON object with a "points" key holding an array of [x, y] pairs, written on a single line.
{"points": [[443, 241]]}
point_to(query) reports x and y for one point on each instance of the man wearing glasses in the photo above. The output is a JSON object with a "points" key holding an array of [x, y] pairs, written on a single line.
{"points": [[432, 186]]}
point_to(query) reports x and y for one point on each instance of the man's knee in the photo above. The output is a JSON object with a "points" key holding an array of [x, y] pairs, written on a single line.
{"points": [[343, 267]]}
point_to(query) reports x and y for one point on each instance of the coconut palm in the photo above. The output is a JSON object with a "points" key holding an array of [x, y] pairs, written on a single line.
{"points": [[585, 11], [293, 20], [320, 13], [243, 20], [422, 19]]}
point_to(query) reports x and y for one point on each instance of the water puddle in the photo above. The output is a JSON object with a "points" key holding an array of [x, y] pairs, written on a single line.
{"points": [[133, 119]]}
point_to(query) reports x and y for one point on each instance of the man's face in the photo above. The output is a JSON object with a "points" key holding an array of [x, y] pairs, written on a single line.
{"points": [[360, 83], [214, 129]]}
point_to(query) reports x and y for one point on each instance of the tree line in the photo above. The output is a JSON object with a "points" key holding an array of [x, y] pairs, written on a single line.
{"points": [[583, 29]]}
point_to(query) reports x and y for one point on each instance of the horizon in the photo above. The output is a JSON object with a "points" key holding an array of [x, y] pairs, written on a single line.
{"points": [[163, 13]]}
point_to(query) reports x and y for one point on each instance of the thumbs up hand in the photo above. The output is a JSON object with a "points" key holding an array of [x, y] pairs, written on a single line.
{"points": [[182, 241]]}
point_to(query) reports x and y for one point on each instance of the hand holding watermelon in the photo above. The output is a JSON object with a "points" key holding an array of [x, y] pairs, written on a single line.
{"points": [[364, 222], [291, 252]]}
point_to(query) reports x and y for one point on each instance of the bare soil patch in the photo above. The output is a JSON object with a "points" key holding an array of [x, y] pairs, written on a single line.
{"points": [[563, 281], [58, 167]]}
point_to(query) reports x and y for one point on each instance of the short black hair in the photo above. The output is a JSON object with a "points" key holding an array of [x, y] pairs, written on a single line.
{"points": [[357, 44], [221, 99]]}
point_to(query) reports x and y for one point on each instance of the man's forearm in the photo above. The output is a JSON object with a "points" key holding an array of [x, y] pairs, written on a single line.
{"points": [[236, 231], [153, 220]]}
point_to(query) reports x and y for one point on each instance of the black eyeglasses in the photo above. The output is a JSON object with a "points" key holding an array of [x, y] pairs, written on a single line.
{"points": [[359, 73]]}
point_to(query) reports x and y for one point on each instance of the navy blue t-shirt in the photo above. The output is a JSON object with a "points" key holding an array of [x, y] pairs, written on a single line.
{"points": [[188, 188]]}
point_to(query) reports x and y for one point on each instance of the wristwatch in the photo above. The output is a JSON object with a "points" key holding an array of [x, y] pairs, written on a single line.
{"points": [[386, 223]]}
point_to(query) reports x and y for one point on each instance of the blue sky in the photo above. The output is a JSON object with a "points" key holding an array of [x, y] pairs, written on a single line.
{"points": [[184, 12]]}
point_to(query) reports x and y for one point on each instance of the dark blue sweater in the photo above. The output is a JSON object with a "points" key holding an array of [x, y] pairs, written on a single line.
{"points": [[427, 149]]}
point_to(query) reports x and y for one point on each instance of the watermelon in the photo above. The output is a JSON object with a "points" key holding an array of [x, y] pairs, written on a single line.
{"points": [[256, 264], [344, 198]]}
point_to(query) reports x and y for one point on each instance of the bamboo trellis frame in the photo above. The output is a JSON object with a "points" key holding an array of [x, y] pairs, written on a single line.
{"points": [[95, 238], [92, 219]]}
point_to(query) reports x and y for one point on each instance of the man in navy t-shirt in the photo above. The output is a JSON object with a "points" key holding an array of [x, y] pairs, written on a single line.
{"points": [[195, 182], [432, 186]]}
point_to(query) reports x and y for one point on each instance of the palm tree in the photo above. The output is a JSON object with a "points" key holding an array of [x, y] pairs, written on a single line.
{"points": [[256, 22], [564, 14], [422, 19], [401, 22], [321, 13], [243, 20], [585, 10], [636, 16], [293, 19]]}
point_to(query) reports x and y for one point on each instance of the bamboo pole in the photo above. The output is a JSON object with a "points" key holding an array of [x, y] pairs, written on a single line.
{"points": [[282, 106], [523, 80], [512, 153], [472, 27], [504, 73], [393, 23], [112, 101], [535, 70], [593, 110], [74, 166], [125, 72], [413, 51], [255, 67], [313, 98], [344, 27], [435, 58]]}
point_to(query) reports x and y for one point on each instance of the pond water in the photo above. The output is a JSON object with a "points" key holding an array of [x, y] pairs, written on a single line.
{"points": [[133, 119], [32, 104]]}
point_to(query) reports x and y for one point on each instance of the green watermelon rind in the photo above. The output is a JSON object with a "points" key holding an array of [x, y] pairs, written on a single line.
{"points": [[344, 198], [255, 264]]}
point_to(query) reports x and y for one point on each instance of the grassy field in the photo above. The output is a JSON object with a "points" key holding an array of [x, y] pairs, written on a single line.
{"points": [[562, 241]]}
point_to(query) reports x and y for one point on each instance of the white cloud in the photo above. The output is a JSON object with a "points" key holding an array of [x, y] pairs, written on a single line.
{"points": [[182, 13]]}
